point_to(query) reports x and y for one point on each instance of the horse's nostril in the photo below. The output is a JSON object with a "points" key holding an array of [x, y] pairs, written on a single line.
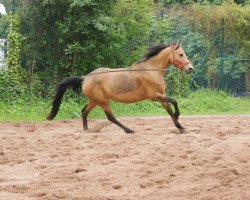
{"points": [[191, 69]]}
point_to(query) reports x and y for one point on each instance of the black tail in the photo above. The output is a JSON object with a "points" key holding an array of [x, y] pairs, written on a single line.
{"points": [[73, 83]]}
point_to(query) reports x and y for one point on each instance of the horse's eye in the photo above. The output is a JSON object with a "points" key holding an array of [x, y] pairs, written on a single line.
{"points": [[181, 55]]}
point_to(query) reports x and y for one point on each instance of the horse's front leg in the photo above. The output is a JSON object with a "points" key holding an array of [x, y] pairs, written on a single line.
{"points": [[165, 103], [172, 101]]}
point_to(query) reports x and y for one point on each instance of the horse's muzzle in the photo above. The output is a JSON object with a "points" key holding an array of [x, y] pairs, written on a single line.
{"points": [[188, 69]]}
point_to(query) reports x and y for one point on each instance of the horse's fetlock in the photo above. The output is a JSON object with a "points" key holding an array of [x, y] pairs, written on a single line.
{"points": [[178, 126], [176, 115], [127, 130]]}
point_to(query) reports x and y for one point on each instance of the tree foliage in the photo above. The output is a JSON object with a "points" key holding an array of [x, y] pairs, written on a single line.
{"points": [[14, 43], [74, 37], [237, 22], [3, 26], [208, 18], [10, 78], [133, 21], [62, 38]]}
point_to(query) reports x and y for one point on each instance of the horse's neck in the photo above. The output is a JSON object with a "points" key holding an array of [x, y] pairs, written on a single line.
{"points": [[160, 61]]}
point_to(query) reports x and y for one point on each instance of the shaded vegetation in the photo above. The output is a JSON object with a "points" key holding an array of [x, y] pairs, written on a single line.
{"points": [[200, 102]]}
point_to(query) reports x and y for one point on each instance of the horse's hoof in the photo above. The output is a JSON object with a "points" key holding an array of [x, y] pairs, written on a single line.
{"points": [[129, 131], [183, 131]]}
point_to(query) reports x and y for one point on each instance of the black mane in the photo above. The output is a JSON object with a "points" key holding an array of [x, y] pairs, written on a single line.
{"points": [[154, 50]]}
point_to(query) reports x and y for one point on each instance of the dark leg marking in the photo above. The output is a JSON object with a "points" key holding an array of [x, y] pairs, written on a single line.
{"points": [[170, 112], [84, 118], [175, 104], [85, 111], [111, 118]]}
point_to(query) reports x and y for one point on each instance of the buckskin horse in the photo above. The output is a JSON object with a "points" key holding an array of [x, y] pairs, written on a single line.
{"points": [[140, 81]]}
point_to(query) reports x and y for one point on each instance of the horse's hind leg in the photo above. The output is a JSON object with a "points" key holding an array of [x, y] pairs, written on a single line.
{"points": [[85, 111], [110, 116]]}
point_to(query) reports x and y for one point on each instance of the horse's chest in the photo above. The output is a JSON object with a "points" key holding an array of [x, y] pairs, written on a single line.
{"points": [[153, 84]]}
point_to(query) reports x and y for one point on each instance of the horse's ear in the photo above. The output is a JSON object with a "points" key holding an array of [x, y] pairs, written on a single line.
{"points": [[177, 45]]}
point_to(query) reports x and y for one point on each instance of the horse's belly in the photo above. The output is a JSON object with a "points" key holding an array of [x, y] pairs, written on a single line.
{"points": [[129, 97]]}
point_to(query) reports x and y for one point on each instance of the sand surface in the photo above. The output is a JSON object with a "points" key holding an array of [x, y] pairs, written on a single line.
{"points": [[58, 160]]}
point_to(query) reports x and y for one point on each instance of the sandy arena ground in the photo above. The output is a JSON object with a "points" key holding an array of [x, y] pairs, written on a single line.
{"points": [[58, 160]]}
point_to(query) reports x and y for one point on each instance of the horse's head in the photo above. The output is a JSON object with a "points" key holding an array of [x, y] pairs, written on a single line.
{"points": [[179, 59]]}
